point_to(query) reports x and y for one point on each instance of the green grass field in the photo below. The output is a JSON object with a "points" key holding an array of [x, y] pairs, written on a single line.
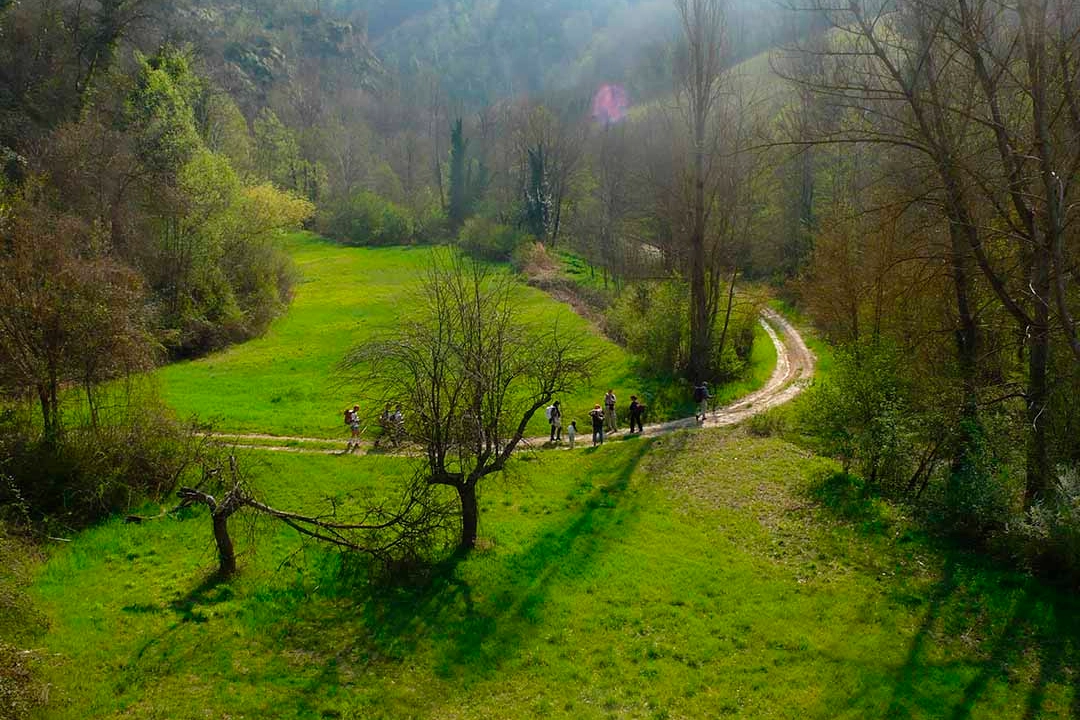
{"points": [[702, 574], [286, 382], [698, 575]]}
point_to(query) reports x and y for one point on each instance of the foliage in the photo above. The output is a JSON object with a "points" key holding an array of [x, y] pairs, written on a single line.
{"points": [[69, 313], [21, 688], [487, 240], [159, 111], [278, 158], [863, 412], [1051, 530], [223, 276], [368, 219], [652, 320], [537, 210], [468, 178], [135, 448]]}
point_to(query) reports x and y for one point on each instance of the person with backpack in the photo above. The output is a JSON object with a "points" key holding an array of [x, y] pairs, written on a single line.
{"points": [[609, 411], [702, 398], [597, 416], [554, 416], [637, 410], [352, 421]]}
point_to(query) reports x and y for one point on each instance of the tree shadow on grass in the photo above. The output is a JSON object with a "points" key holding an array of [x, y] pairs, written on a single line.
{"points": [[472, 629], [985, 630]]}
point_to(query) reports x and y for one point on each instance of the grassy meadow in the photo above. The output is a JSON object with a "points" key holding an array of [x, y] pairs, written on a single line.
{"points": [[703, 574], [286, 382], [697, 575]]}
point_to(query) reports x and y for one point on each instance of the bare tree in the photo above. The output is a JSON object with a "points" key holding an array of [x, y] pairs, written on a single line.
{"points": [[557, 134], [981, 97], [68, 314], [699, 83], [470, 372]]}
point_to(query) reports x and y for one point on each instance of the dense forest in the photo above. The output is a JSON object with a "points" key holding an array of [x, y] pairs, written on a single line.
{"points": [[903, 176]]}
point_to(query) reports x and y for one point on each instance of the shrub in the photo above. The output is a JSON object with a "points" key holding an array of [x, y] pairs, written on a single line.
{"points": [[487, 240], [863, 414], [367, 219], [533, 261], [651, 320], [1051, 529], [135, 448], [20, 690], [767, 424], [430, 224]]}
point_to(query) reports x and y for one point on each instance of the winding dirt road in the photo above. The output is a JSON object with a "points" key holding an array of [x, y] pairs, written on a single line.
{"points": [[794, 369]]}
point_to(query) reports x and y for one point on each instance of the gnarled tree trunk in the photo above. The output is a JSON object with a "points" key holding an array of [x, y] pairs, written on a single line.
{"points": [[470, 514]]}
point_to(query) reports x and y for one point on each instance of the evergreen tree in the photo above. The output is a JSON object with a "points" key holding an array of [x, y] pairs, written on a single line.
{"points": [[459, 171], [536, 217], [468, 177]]}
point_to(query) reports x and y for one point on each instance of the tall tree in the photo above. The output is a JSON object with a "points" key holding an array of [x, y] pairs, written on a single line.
{"points": [[939, 83], [468, 178], [699, 82]]}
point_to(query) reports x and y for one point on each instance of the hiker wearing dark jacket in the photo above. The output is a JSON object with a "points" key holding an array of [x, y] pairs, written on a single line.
{"points": [[637, 410], [555, 418], [702, 397], [597, 417]]}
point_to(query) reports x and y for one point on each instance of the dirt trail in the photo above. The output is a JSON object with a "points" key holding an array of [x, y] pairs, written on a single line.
{"points": [[794, 369]]}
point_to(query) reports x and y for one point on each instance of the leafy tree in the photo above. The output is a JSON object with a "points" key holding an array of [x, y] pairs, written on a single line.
{"points": [[279, 160], [864, 412]]}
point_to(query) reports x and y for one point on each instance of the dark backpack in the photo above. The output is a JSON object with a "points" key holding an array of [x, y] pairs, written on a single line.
{"points": [[348, 417], [699, 393]]}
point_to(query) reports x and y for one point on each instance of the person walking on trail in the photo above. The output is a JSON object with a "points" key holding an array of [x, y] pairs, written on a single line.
{"points": [[637, 410], [386, 426], [702, 398], [597, 416], [397, 425], [352, 420], [554, 416], [609, 411], [571, 433]]}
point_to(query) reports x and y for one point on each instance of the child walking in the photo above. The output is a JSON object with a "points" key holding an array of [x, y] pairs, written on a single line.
{"points": [[571, 433]]}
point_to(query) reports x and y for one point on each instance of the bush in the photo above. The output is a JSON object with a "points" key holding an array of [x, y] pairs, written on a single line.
{"points": [[1051, 530], [651, 320], [769, 423], [367, 219], [134, 450], [20, 623], [864, 414], [430, 224], [486, 240]]}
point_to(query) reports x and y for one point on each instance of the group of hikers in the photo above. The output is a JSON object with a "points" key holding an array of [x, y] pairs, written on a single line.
{"points": [[391, 424], [602, 417]]}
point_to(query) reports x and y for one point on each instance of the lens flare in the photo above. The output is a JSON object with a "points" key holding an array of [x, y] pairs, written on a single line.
{"points": [[610, 104]]}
